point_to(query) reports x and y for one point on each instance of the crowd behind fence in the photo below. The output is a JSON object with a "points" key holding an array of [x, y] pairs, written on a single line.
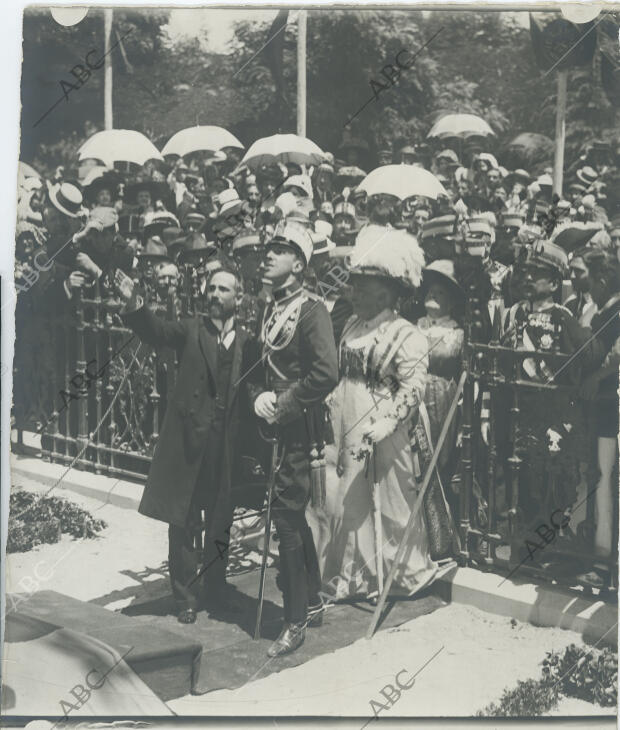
{"points": [[103, 398]]}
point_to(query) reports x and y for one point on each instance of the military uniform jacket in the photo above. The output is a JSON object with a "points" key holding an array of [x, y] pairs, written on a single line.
{"points": [[538, 335], [299, 358]]}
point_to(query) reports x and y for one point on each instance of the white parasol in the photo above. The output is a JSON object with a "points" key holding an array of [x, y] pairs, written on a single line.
{"points": [[460, 125], [403, 181], [197, 139], [119, 145], [282, 148], [24, 170]]}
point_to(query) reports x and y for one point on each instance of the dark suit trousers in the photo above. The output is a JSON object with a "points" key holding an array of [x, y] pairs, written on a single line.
{"points": [[187, 554]]}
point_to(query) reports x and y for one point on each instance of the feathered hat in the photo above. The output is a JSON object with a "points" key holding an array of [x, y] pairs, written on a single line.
{"points": [[388, 252]]}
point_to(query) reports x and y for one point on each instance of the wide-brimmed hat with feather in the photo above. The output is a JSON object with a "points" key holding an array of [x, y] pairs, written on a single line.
{"points": [[388, 252]]}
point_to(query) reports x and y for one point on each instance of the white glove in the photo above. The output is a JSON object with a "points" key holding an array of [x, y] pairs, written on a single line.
{"points": [[265, 406], [377, 431], [485, 430], [85, 263]]}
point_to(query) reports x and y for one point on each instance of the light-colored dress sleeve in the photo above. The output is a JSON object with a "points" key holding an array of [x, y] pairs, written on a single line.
{"points": [[409, 367]]}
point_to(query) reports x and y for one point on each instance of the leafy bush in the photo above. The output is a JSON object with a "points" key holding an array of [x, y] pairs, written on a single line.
{"points": [[588, 674], [527, 699], [36, 520]]}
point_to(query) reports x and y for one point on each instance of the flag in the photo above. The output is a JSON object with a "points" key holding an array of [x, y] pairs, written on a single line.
{"points": [[559, 43], [274, 55]]}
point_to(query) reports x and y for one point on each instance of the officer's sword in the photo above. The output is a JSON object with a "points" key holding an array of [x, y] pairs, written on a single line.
{"points": [[270, 488]]}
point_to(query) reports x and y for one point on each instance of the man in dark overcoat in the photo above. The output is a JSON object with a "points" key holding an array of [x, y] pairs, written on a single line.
{"points": [[194, 459]]}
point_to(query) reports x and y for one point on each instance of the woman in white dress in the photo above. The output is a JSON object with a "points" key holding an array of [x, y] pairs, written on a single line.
{"points": [[383, 364]]}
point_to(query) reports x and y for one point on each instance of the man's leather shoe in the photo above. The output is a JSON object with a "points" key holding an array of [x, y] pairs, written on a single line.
{"points": [[315, 616], [291, 637], [187, 616]]}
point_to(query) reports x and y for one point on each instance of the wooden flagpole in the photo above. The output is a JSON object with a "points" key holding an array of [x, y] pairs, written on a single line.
{"points": [[107, 79], [560, 132], [301, 72]]}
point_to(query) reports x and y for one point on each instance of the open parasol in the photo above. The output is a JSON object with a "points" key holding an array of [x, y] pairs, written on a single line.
{"points": [[203, 138], [119, 145], [282, 148], [527, 148], [403, 181], [460, 125], [24, 170]]}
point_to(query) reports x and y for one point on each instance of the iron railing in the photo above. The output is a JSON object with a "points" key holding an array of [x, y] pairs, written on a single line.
{"points": [[108, 394]]}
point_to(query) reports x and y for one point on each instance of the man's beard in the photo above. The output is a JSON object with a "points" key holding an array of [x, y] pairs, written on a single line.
{"points": [[216, 311]]}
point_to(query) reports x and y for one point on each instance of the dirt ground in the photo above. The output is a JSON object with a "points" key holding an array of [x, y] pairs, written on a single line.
{"points": [[473, 655], [479, 656]]}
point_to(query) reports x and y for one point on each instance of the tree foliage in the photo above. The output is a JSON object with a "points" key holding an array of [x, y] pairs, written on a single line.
{"points": [[480, 62]]}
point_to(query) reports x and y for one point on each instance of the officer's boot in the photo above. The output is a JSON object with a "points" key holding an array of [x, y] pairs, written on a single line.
{"points": [[295, 599]]}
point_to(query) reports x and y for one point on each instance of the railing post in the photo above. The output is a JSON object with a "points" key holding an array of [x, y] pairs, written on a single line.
{"points": [[82, 392], [109, 389], [98, 332], [492, 446]]}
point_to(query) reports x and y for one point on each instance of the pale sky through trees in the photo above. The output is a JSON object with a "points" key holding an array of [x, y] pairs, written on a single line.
{"points": [[217, 24]]}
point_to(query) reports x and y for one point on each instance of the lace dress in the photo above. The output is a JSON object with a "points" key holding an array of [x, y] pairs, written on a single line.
{"points": [[383, 366]]}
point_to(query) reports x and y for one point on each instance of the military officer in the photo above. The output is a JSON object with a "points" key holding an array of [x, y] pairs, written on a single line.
{"points": [[299, 366]]}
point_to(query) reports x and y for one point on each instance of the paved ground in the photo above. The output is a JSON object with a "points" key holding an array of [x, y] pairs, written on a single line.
{"points": [[479, 654]]}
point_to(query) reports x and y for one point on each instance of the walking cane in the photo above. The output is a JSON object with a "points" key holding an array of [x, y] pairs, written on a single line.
{"points": [[263, 567], [376, 504]]}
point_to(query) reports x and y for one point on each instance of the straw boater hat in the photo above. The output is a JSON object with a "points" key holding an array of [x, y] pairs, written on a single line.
{"points": [[67, 198], [390, 253], [587, 175]]}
